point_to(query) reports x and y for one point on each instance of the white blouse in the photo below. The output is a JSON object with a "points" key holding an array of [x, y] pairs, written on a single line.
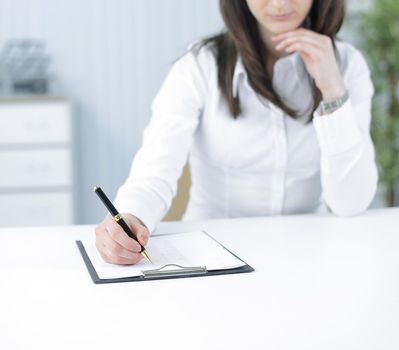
{"points": [[263, 163]]}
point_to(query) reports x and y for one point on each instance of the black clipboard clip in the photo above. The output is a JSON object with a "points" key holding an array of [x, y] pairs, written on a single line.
{"points": [[168, 271]]}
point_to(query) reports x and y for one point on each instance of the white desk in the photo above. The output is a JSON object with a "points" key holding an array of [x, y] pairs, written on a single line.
{"points": [[321, 282]]}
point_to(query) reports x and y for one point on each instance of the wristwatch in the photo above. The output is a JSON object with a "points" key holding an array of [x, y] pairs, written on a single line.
{"points": [[328, 107]]}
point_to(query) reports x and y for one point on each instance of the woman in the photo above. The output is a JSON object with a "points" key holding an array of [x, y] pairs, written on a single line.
{"points": [[275, 114]]}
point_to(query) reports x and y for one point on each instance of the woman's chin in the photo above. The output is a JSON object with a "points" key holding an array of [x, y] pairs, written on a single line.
{"points": [[279, 28]]}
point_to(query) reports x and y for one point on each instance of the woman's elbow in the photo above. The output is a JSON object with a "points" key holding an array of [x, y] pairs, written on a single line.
{"points": [[357, 203]]}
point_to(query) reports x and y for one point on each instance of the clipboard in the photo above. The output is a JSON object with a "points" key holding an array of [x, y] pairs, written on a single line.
{"points": [[168, 271]]}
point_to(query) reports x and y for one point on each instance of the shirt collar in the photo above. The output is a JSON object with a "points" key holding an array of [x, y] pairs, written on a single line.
{"points": [[238, 75], [292, 61]]}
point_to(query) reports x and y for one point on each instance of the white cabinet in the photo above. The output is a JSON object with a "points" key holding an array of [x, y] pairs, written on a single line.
{"points": [[36, 178], [36, 209]]}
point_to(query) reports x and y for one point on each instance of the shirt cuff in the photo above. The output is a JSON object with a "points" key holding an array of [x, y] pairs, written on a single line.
{"points": [[337, 132]]}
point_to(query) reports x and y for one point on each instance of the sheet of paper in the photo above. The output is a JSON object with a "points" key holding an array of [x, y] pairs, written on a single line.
{"points": [[186, 249]]}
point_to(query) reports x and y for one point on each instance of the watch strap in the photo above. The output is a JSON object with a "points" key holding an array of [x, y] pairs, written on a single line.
{"points": [[330, 106]]}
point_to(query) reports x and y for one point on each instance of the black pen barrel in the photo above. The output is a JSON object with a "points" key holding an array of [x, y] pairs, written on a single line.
{"points": [[118, 217], [106, 201]]}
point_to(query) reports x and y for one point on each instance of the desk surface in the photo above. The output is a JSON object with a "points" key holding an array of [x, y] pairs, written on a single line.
{"points": [[321, 282]]}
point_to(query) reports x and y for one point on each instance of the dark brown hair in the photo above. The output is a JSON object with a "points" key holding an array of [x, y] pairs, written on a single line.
{"points": [[242, 37]]}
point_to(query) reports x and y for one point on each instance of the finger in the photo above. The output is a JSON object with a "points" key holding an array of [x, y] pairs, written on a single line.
{"points": [[116, 232], [313, 52], [119, 260], [306, 54], [300, 31], [114, 249], [323, 42], [293, 39], [107, 256], [143, 236], [140, 230]]}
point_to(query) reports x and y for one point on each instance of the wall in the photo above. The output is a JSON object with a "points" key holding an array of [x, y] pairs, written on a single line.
{"points": [[109, 57]]}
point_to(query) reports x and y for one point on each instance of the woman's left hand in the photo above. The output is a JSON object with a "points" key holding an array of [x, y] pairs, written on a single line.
{"points": [[318, 55]]}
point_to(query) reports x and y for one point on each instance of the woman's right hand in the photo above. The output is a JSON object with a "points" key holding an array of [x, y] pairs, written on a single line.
{"points": [[115, 246]]}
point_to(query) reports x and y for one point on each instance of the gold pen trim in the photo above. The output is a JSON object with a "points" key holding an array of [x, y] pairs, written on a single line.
{"points": [[145, 254], [117, 217]]}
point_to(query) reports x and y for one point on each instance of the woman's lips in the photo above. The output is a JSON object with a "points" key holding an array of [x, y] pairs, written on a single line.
{"points": [[282, 17]]}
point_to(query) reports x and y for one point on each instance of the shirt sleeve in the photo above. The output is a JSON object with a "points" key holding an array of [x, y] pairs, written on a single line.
{"points": [[348, 170], [152, 181]]}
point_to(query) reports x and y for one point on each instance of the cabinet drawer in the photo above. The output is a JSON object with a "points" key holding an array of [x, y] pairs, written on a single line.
{"points": [[38, 209], [36, 168], [34, 123]]}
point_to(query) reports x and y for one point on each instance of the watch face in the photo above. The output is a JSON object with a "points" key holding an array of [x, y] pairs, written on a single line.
{"points": [[331, 106]]}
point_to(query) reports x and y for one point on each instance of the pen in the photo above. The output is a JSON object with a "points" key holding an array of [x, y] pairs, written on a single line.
{"points": [[118, 218]]}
